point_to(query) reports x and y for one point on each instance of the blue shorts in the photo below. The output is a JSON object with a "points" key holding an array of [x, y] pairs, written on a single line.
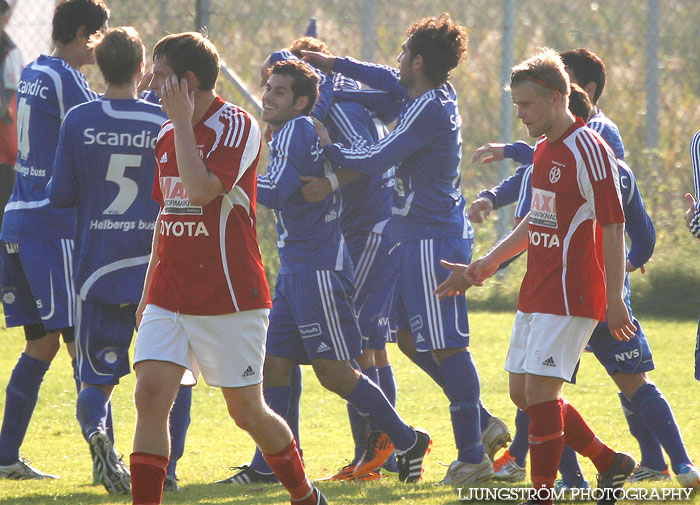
{"points": [[313, 317], [618, 356], [37, 284], [102, 339], [375, 276], [435, 324], [697, 353]]}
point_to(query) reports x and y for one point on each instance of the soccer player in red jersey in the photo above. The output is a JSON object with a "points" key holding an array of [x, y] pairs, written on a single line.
{"points": [[576, 262], [206, 301]]}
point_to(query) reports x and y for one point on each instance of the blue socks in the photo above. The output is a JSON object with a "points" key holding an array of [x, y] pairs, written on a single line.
{"points": [[649, 446], [179, 421], [296, 388], [484, 416], [429, 365], [462, 389], [657, 415], [368, 399], [91, 410], [387, 383], [570, 470], [278, 400], [520, 446], [20, 399]]}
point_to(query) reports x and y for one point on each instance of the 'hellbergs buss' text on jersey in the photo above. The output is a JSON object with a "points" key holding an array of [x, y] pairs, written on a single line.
{"points": [[575, 188], [48, 88], [208, 256], [105, 164]]}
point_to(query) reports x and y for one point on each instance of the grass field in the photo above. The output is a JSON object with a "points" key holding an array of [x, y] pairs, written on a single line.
{"points": [[214, 444]]}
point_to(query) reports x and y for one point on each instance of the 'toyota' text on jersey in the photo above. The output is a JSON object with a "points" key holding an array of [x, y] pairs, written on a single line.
{"points": [[575, 190], [208, 256]]}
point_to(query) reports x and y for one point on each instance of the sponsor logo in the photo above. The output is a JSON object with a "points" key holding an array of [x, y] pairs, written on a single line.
{"points": [[554, 175], [110, 358], [416, 323], [164, 158], [323, 348], [549, 362], [12, 247], [248, 372], [142, 139], [419, 338], [175, 197], [331, 216], [624, 356], [9, 297], [543, 211], [545, 239], [35, 88], [179, 228], [36, 172], [310, 330]]}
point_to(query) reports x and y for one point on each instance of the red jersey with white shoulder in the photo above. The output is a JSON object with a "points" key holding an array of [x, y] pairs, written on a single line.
{"points": [[575, 190], [209, 261]]}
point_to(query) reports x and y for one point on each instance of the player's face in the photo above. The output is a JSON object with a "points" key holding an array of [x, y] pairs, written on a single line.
{"points": [[88, 47], [279, 105], [404, 58], [534, 110]]}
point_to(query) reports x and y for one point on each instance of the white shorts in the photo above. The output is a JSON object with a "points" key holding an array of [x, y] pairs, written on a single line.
{"points": [[547, 344], [229, 349]]}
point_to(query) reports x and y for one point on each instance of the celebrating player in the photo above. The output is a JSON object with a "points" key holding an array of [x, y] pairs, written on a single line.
{"points": [[37, 288]]}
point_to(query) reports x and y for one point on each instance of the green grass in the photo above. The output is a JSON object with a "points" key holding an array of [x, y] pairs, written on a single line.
{"points": [[55, 445]]}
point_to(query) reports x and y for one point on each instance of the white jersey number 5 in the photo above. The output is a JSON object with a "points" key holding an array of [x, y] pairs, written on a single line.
{"points": [[128, 189]]}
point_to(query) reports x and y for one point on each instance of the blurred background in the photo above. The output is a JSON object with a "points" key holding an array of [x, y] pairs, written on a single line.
{"points": [[652, 93]]}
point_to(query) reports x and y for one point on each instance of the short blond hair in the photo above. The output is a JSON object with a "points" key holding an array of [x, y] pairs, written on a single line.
{"points": [[545, 69]]}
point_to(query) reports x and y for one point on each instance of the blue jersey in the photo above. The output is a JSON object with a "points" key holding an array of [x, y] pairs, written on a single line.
{"points": [[515, 188], [426, 145], [309, 236], [105, 166], [367, 200], [47, 90]]}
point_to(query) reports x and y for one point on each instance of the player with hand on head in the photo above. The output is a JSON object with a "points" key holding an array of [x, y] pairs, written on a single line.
{"points": [[37, 288], [205, 183]]}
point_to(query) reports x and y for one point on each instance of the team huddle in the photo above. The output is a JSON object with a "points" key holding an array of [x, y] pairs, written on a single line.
{"points": [[137, 209]]}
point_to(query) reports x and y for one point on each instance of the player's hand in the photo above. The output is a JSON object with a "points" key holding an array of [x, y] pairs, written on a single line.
{"points": [[144, 83], [631, 268], [177, 99], [493, 149], [321, 132], [315, 189], [456, 283], [480, 270], [690, 209], [323, 62], [619, 323], [481, 204]]}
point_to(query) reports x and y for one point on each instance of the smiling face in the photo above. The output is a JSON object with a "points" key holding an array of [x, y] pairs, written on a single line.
{"points": [[535, 110], [279, 104]]}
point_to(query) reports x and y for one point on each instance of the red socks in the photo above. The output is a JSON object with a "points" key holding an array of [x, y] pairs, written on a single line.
{"points": [[579, 436], [546, 442], [147, 476], [290, 471]]}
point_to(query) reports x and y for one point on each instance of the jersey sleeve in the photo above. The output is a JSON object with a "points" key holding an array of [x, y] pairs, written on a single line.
{"points": [[418, 128], [695, 161], [598, 178], [76, 90], [520, 151], [375, 76], [611, 135], [347, 120], [638, 224], [235, 151], [283, 169], [62, 187], [379, 102], [507, 191]]}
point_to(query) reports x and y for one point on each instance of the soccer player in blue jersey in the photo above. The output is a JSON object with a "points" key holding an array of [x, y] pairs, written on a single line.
{"points": [[428, 215], [313, 319], [37, 288], [105, 168], [647, 412], [692, 221]]}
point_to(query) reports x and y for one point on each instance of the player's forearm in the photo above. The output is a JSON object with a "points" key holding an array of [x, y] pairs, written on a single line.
{"points": [[375, 76], [514, 243], [201, 185], [614, 259]]}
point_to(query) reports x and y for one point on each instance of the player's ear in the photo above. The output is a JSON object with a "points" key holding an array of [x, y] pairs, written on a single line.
{"points": [[192, 81], [301, 103]]}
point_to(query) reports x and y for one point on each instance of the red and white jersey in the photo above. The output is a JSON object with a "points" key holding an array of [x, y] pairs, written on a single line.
{"points": [[209, 261], [575, 188]]}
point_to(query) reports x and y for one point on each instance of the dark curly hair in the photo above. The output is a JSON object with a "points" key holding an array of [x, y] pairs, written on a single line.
{"points": [[441, 42]]}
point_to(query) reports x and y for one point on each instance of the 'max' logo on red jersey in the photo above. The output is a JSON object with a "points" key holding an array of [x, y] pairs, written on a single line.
{"points": [[175, 200], [543, 209]]}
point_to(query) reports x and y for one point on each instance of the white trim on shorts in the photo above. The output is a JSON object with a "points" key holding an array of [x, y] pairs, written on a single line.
{"points": [[547, 344], [228, 349]]}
